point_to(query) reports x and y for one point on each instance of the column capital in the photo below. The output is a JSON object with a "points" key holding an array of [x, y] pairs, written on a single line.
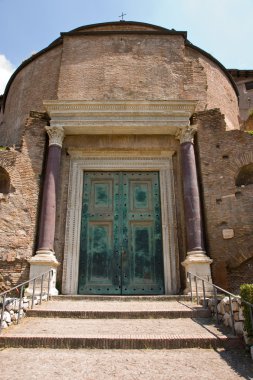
{"points": [[56, 135], [186, 134]]}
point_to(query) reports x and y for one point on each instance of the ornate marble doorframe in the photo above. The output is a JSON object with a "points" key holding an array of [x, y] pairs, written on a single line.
{"points": [[168, 117], [72, 235]]}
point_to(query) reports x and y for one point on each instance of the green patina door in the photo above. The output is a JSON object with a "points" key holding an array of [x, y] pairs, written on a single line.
{"points": [[121, 240]]}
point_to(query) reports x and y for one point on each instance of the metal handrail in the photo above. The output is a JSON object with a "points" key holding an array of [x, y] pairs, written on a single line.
{"points": [[215, 288], [21, 287]]}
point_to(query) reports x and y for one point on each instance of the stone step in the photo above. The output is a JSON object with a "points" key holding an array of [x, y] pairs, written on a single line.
{"points": [[201, 313], [120, 298], [80, 308], [117, 342], [116, 334]]}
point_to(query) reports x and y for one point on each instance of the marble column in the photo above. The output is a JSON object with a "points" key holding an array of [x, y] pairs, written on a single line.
{"points": [[197, 262], [45, 259]]}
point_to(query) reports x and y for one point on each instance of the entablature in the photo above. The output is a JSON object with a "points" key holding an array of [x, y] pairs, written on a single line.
{"points": [[126, 117]]}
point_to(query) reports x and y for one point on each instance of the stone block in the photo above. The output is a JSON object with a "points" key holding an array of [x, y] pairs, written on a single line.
{"points": [[228, 233], [227, 320], [239, 328], [241, 316], [235, 305], [4, 325], [6, 317]]}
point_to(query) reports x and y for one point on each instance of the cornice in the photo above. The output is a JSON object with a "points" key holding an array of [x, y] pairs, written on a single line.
{"points": [[121, 117], [118, 105]]}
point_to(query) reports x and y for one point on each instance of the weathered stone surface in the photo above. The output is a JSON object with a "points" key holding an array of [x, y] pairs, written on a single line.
{"points": [[6, 317], [239, 328], [241, 316], [18, 215], [4, 325]]}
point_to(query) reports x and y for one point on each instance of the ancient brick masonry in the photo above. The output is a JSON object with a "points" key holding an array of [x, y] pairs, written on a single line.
{"points": [[124, 62], [228, 209], [18, 209]]}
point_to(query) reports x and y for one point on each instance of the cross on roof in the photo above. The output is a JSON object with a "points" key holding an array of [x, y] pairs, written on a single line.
{"points": [[122, 15]]}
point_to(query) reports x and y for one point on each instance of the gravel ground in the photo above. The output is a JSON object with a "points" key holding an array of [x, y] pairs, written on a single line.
{"points": [[201, 364]]}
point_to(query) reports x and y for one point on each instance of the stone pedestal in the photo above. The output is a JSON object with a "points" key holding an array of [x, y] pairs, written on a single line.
{"points": [[45, 260], [41, 263], [196, 262]]}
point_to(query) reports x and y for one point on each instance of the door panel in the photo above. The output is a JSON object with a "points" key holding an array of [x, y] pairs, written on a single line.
{"points": [[142, 267], [121, 242], [99, 269]]}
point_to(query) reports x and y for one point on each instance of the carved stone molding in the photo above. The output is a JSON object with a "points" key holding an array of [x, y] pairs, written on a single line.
{"points": [[120, 117], [186, 134], [56, 135], [73, 221]]}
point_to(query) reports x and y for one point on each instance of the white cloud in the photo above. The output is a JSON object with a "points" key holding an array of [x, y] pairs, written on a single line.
{"points": [[6, 69]]}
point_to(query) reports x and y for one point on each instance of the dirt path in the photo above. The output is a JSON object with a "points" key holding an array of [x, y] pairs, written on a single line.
{"points": [[190, 364]]}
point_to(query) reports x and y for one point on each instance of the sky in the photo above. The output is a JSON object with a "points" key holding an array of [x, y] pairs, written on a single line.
{"points": [[223, 28]]}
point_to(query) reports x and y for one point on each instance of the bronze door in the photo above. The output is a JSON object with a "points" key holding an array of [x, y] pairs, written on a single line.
{"points": [[121, 240]]}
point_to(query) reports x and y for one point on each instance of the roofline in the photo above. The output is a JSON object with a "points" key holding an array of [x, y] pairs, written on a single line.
{"points": [[241, 73], [160, 31], [223, 68], [55, 43], [159, 28]]}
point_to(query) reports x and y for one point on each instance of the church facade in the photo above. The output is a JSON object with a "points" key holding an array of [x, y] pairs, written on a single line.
{"points": [[123, 165]]}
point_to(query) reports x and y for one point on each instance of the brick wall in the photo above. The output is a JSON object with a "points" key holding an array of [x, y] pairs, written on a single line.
{"points": [[117, 66], [145, 67], [19, 209], [36, 82], [221, 154]]}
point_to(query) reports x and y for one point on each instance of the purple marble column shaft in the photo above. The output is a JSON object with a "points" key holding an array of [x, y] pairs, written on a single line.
{"points": [[49, 195], [193, 218], [48, 209]]}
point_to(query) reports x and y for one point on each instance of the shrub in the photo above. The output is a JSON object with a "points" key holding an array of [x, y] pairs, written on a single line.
{"points": [[246, 291]]}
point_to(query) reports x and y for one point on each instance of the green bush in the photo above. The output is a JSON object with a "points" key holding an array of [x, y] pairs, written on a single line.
{"points": [[246, 292]]}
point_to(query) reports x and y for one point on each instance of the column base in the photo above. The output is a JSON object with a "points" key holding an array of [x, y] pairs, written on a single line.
{"points": [[42, 262], [198, 263]]}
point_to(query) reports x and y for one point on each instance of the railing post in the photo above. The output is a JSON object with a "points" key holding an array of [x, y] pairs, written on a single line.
{"points": [[34, 281], [2, 313], [196, 288], [41, 288], [48, 285], [204, 292], [216, 304], [251, 315], [232, 314], [189, 275], [20, 302], [191, 287]]}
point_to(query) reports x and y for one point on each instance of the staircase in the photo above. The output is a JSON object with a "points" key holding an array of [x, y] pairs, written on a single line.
{"points": [[113, 322]]}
